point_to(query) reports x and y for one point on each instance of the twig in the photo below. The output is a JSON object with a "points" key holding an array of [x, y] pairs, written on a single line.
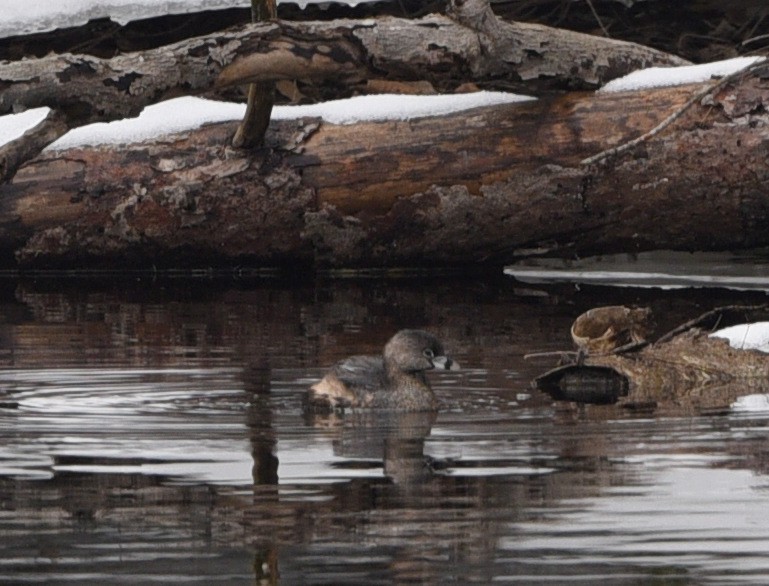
{"points": [[623, 148], [598, 18], [560, 353], [631, 347], [711, 319], [752, 40]]}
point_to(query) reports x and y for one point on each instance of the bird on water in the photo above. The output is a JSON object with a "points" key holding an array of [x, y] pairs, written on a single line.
{"points": [[396, 380]]}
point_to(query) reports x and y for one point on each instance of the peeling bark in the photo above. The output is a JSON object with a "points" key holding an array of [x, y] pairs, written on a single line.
{"points": [[196, 202], [434, 48], [481, 186], [331, 60]]}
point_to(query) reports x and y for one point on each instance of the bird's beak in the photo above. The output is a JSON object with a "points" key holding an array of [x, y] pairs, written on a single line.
{"points": [[445, 363]]}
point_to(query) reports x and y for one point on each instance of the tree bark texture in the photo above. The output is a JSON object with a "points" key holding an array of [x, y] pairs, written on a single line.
{"points": [[330, 59], [339, 56], [483, 186]]}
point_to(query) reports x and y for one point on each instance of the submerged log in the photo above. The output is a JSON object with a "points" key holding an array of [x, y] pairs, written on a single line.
{"points": [[684, 370], [483, 186]]}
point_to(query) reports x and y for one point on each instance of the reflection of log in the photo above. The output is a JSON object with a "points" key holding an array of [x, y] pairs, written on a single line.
{"points": [[686, 370], [471, 187]]}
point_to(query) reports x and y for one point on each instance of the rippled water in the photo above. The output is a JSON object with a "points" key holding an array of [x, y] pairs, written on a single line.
{"points": [[153, 432]]}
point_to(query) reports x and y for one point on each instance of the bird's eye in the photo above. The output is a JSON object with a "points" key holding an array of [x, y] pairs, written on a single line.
{"points": [[428, 353]]}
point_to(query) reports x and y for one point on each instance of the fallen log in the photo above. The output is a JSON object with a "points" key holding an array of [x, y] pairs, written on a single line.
{"points": [[340, 56], [330, 59], [481, 186]]}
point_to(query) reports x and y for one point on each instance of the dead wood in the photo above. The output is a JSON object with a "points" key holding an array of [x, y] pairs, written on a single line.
{"points": [[483, 186], [684, 370], [261, 96], [331, 59], [701, 31], [696, 97]]}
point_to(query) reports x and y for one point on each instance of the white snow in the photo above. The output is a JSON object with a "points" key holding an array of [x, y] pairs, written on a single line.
{"points": [[751, 403], [670, 76], [187, 113], [14, 125], [181, 114], [36, 16], [395, 106], [160, 119], [754, 336]]}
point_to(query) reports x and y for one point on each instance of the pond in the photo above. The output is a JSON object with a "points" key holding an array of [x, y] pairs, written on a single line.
{"points": [[151, 431]]}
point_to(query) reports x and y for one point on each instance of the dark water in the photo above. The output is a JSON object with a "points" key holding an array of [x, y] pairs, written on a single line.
{"points": [[151, 432]]}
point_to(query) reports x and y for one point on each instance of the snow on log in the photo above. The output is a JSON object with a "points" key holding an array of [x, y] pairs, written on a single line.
{"points": [[340, 55], [331, 59]]}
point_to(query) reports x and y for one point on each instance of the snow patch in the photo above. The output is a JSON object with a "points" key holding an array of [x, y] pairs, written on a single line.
{"points": [[160, 119], [754, 336], [14, 125], [395, 107], [37, 16], [186, 113], [751, 403], [670, 76]]}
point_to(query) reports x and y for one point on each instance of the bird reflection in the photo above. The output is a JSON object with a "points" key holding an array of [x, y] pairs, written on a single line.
{"points": [[396, 439]]}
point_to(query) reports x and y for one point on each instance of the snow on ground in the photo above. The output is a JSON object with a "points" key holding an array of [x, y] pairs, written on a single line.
{"points": [[670, 76], [753, 336], [186, 113], [36, 16]]}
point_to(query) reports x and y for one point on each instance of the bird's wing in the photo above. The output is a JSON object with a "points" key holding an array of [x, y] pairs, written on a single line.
{"points": [[365, 373], [351, 382]]}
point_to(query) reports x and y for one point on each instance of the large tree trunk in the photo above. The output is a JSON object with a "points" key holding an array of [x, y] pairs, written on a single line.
{"points": [[479, 186]]}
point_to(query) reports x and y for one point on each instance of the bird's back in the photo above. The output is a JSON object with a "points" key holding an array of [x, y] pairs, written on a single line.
{"points": [[354, 381]]}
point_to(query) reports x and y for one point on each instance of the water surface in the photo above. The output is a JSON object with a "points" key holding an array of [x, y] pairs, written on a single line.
{"points": [[152, 432]]}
